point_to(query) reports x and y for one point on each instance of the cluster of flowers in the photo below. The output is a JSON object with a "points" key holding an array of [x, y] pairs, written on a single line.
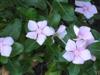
{"points": [[76, 49]]}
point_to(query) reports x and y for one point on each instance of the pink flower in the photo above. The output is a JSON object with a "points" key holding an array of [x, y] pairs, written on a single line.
{"points": [[5, 46], [39, 31], [84, 33], [85, 8], [76, 52], [61, 32]]}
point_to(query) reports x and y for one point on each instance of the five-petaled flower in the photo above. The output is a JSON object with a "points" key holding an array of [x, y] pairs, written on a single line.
{"points": [[84, 33], [76, 52], [5, 46], [39, 31], [85, 8]]}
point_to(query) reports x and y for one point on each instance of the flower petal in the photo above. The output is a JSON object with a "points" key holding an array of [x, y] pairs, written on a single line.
{"points": [[69, 56], [85, 33], [32, 25], [1, 39], [31, 35], [94, 9], [61, 29], [76, 30], [82, 3], [41, 39], [70, 46], [88, 15], [8, 41], [85, 54], [79, 10], [6, 51], [78, 60], [42, 24], [81, 44], [61, 32], [93, 58], [48, 31]]}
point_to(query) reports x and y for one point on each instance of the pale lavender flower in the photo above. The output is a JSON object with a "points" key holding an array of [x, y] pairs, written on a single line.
{"points": [[39, 31], [76, 52], [84, 33], [85, 8], [61, 32], [5, 46]]}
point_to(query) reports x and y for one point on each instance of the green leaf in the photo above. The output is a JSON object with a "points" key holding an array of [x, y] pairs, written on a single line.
{"points": [[65, 1], [95, 49], [3, 59], [53, 73], [73, 69], [91, 71], [36, 3], [54, 19], [68, 14], [30, 45], [66, 11], [17, 49], [31, 13], [96, 34], [14, 68], [12, 29]]}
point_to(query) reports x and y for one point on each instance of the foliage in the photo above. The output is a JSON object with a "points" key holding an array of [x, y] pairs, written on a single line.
{"points": [[14, 16]]}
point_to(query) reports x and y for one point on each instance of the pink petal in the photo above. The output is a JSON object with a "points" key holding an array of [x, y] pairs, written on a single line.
{"points": [[76, 30], [42, 24], [69, 56], [85, 54], [8, 41], [41, 39], [78, 60], [93, 58], [79, 10], [1, 39], [94, 9], [48, 31], [31, 35], [84, 29], [6, 51], [32, 25], [88, 15], [82, 3], [61, 29], [85, 33], [81, 44], [61, 32], [70, 46]]}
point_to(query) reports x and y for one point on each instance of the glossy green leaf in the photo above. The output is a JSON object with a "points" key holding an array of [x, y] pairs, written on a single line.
{"points": [[30, 45], [95, 49], [12, 29], [17, 49], [73, 69]]}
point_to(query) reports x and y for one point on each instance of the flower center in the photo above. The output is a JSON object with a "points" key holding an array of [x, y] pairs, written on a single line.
{"points": [[86, 8], [77, 52], [39, 31]]}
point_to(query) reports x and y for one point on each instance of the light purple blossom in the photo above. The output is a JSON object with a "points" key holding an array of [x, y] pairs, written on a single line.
{"points": [[5, 46], [85, 8], [84, 33], [39, 31], [76, 52], [61, 32]]}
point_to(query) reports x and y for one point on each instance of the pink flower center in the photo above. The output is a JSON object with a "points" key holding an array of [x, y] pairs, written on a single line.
{"points": [[86, 8], [39, 31], [76, 52]]}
